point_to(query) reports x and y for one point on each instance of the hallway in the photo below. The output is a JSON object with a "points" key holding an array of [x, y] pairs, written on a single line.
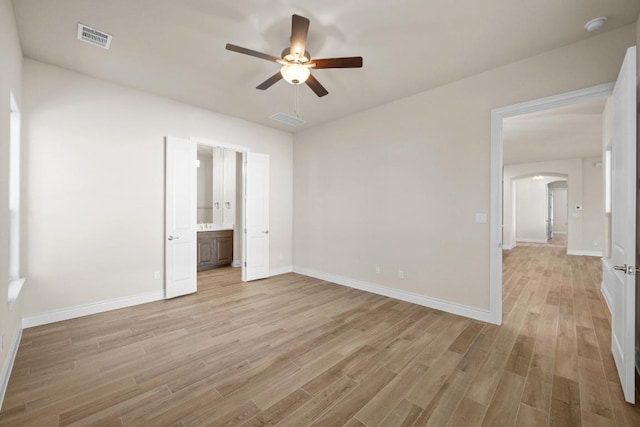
{"points": [[559, 296]]}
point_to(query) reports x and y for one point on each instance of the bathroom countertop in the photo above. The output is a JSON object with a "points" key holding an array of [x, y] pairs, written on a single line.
{"points": [[217, 228]]}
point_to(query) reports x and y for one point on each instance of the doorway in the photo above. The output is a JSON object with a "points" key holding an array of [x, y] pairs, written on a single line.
{"points": [[558, 224], [219, 212], [181, 212], [618, 270], [252, 187], [497, 226]]}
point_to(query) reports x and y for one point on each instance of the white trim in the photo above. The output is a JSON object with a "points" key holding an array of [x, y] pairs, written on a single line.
{"points": [[15, 287], [509, 247], [236, 263], [606, 295], [438, 304], [211, 143], [530, 240], [89, 309], [567, 98], [497, 116], [584, 253], [559, 232], [496, 226], [5, 374], [280, 270]]}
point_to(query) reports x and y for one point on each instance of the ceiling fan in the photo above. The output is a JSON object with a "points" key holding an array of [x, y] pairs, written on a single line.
{"points": [[296, 61]]}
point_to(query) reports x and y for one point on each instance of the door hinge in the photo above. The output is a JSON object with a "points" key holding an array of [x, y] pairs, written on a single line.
{"points": [[245, 263]]}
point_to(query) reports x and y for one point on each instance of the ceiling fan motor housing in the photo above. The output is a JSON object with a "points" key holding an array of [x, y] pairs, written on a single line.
{"points": [[289, 57]]}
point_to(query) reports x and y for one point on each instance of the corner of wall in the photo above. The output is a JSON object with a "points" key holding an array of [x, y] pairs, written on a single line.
{"points": [[10, 82], [7, 366]]}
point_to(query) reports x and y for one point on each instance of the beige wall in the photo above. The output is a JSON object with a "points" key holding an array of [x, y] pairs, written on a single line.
{"points": [[593, 215], [10, 82], [399, 185], [531, 209], [559, 210], [95, 191]]}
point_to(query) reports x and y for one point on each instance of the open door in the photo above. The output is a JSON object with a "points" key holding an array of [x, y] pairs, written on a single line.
{"points": [[618, 274], [550, 195], [256, 247], [180, 217]]}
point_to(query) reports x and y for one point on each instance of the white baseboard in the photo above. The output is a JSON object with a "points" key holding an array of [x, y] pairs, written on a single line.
{"points": [[5, 374], [508, 247], [236, 263], [88, 309], [438, 304], [530, 240], [280, 270], [584, 253], [559, 232]]}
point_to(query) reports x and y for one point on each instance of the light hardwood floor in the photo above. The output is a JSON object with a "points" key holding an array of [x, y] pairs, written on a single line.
{"points": [[296, 351]]}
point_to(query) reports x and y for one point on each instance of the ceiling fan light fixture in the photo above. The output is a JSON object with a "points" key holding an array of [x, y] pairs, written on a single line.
{"points": [[295, 73]]}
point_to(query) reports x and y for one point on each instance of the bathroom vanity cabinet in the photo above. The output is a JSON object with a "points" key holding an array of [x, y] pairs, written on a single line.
{"points": [[215, 249]]}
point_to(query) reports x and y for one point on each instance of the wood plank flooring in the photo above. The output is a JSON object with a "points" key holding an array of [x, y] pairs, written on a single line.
{"points": [[297, 351]]}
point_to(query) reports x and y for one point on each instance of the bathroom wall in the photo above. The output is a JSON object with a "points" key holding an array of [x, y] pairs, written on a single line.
{"points": [[205, 179]]}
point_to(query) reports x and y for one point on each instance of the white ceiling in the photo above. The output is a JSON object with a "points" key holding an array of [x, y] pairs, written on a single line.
{"points": [[175, 48], [568, 132]]}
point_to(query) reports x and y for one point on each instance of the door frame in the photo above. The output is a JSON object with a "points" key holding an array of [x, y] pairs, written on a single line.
{"points": [[550, 206], [243, 150], [497, 117]]}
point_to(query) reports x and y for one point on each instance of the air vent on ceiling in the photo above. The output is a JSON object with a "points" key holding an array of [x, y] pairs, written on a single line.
{"points": [[94, 37], [287, 119]]}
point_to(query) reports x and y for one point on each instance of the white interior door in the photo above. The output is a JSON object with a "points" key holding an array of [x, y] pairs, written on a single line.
{"points": [[256, 247], [180, 217], [619, 270], [550, 195]]}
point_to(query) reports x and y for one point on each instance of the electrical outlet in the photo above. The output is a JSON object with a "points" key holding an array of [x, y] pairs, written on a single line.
{"points": [[401, 274], [377, 269], [156, 275]]}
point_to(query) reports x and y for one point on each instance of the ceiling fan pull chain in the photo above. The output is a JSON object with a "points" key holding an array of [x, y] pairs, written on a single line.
{"points": [[296, 101]]}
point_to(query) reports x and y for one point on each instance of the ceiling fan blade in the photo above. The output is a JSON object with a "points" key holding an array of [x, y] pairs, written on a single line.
{"points": [[270, 81], [299, 30], [316, 87], [350, 62], [244, 50]]}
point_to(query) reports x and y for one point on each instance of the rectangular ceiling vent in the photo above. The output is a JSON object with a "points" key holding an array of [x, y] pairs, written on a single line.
{"points": [[287, 119], [94, 37]]}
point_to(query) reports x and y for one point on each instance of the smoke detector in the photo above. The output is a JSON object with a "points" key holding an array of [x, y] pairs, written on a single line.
{"points": [[93, 36], [595, 24]]}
